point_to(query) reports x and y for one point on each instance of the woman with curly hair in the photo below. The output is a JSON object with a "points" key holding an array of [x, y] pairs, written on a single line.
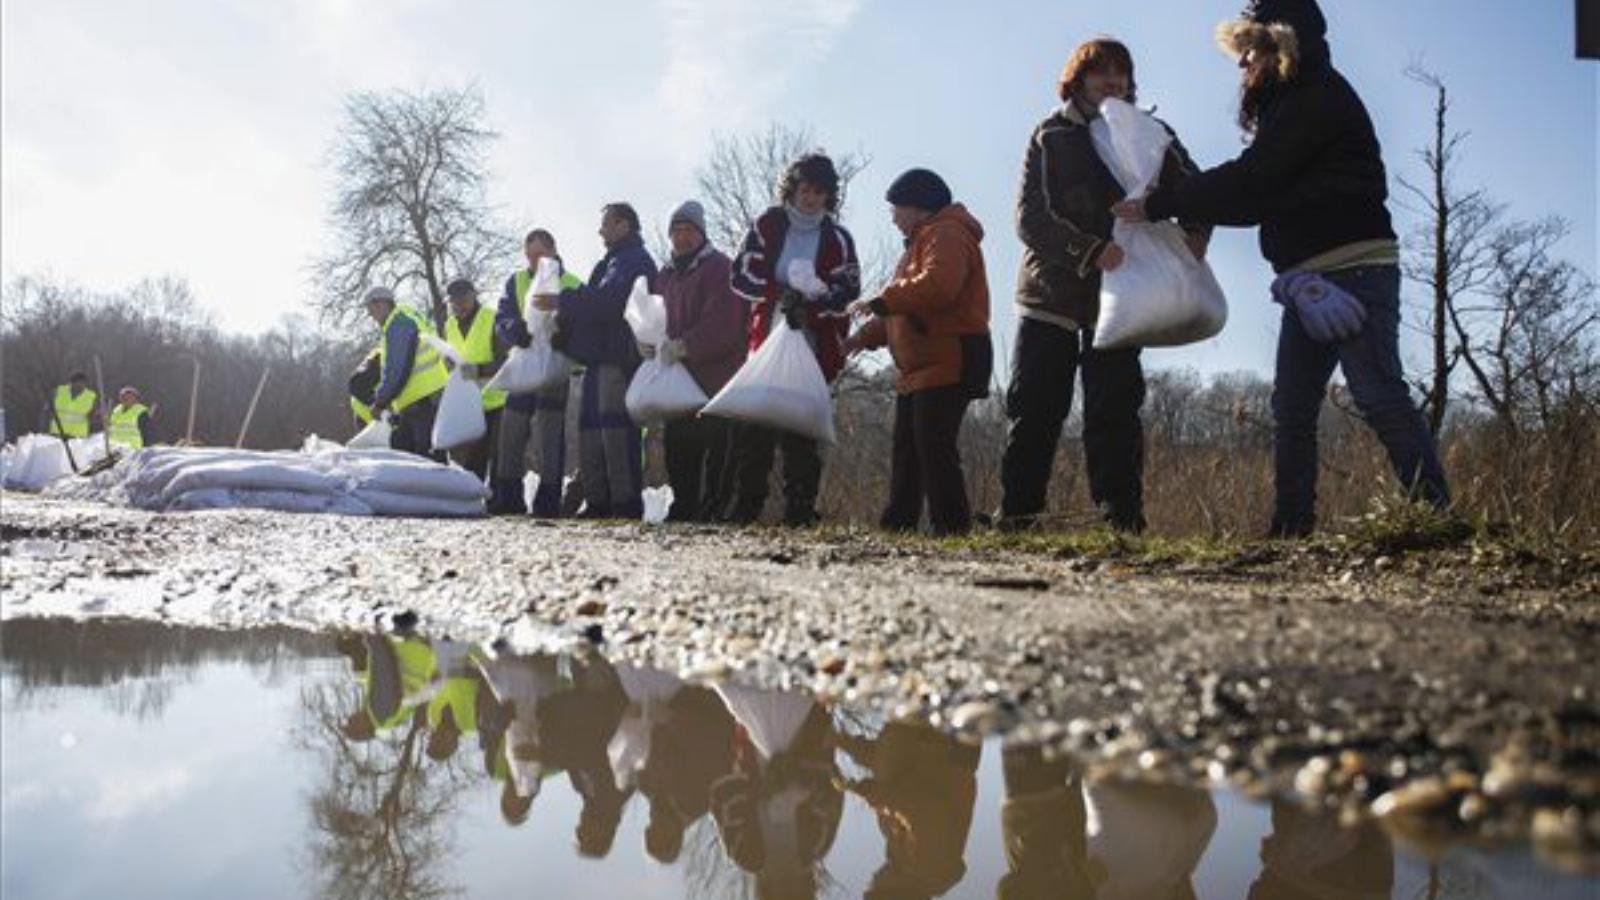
{"points": [[803, 227]]}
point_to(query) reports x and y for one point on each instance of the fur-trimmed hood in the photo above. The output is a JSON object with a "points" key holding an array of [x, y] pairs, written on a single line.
{"points": [[1294, 31]]}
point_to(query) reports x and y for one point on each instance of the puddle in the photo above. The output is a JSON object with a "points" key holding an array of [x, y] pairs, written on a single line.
{"points": [[141, 760]]}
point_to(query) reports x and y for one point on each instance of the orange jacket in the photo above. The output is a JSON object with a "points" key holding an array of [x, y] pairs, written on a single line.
{"points": [[940, 292]]}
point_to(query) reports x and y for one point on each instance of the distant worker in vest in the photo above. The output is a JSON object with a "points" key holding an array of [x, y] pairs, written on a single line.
{"points": [[71, 411], [413, 373], [130, 420], [470, 332], [541, 416]]}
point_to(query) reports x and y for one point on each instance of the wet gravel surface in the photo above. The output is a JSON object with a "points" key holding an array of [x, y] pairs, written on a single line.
{"points": [[1453, 692]]}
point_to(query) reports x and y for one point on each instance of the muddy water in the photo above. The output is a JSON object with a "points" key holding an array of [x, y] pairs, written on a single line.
{"points": [[145, 761]]}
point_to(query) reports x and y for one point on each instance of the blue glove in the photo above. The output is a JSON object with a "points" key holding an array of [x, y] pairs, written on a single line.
{"points": [[1328, 312]]}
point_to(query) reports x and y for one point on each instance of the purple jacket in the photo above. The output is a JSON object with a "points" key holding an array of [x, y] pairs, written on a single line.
{"points": [[705, 313]]}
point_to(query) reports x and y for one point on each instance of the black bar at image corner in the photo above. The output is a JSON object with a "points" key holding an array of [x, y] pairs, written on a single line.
{"points": [[1588, 32]]}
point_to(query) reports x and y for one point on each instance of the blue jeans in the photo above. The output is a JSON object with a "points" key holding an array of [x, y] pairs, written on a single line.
{"points": [[1371, 365]]}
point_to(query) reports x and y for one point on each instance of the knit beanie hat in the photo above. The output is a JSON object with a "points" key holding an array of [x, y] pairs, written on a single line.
{"points": [[919, 188], [692, 212]]}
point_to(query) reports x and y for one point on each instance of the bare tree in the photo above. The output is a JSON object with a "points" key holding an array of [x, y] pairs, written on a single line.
{"points": [[1530, 343], [1449, 247], [410, 210], [740, 178]]}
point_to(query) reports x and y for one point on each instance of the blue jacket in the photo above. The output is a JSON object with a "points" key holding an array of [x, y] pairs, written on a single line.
{"points": [[402, 343], [591, 327]]}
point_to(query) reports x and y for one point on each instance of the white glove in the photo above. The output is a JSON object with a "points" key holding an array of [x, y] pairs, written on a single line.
{"points": [[673, 351], [803, 278]]}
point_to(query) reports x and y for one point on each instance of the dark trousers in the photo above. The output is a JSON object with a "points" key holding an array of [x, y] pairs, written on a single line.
{"points": [[1038, 400], [755, 448], [699, 455], [413, 428], [1371, 365], [927, 462]]}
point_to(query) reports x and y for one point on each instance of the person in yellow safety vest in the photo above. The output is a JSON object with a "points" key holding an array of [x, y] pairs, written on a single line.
{"points": [[540, 417], [130, 421], [470, 332], [413, 373], [397, 674], [70, 411]]}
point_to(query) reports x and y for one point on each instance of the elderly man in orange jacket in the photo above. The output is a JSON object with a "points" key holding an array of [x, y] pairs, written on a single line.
{"points": [[934, 317]]}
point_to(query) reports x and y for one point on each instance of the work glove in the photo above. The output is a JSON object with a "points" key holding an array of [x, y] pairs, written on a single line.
{"points": [[793, 306], [673, 351], [1328, 312], [469, 371]]}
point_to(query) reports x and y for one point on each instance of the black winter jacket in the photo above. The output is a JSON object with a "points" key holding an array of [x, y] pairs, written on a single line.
{"points": [[1313, 176], [1063, 215]]}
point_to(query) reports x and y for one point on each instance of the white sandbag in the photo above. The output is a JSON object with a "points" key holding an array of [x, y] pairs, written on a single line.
{"points": [[389, 503], [780, 386], [36, 460], [277, 501], [773, 719], [659, 392], [1161, 296], [262, 475], [538, 366], [375, 436], [417, 477], [657, 503], [459, 419]]}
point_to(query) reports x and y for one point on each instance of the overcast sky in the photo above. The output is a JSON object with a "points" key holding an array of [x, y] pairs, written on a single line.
{"points": [[191, 137]]}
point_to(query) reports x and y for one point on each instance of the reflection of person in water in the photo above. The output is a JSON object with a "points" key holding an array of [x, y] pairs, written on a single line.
{"points": [[461, 692], [689, 751], [575, 726], [1044, 824], [923, 786], [777, 811], [1146, 839], [1311, 857], [509, 731], [396, 673]]}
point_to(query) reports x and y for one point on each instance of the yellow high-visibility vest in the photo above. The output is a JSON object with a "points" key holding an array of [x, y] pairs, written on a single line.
{"points": [[428, 373], [124, 428], [72, 412], [477, 347]]}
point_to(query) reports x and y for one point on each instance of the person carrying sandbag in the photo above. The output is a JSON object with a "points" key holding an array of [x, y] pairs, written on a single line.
{"points": [[413, 373], [591, 329], [802, 228], [1064, 220], [539, 416], [1313, 179], [934, 317], [470, 332], [707, 326]]}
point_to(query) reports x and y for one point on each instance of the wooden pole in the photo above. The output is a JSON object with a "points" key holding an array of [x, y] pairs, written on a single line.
{"points": [[251, 412], [194, 403], [105, 416]]}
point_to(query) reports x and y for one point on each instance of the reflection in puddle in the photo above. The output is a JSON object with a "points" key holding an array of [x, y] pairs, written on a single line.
{"points": [[399, 766]]}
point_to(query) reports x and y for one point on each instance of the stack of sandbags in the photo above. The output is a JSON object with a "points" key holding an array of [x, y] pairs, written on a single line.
{"points": [[322, 478], [36, 460]]}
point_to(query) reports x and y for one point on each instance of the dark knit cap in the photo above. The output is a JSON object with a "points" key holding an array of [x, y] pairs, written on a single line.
{"points": [[919, 188], [460, 288]]}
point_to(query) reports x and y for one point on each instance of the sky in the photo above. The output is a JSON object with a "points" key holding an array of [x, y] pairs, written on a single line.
{"points": [[192, 137]]}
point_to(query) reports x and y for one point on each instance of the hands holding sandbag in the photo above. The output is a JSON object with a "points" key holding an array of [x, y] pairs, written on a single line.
{"points": [[1155, 289], [537, 366], [662, 389]]}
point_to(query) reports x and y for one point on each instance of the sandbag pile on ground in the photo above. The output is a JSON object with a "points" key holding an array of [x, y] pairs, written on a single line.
{"points": [[36, 460], [323, 478]]}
